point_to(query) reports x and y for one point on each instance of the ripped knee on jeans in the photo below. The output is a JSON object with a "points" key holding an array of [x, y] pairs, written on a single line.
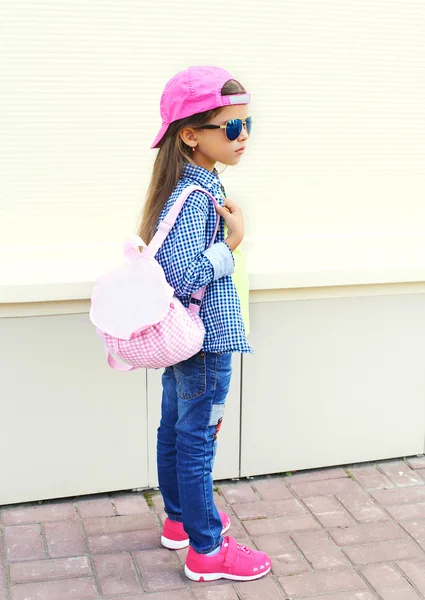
{"points": [[216, 418]]}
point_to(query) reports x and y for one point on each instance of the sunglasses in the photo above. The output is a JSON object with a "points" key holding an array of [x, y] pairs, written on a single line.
{"points": [[232, 128]]}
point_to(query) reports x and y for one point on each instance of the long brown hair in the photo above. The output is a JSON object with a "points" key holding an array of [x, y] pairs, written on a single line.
{"points": [[168, 166]]}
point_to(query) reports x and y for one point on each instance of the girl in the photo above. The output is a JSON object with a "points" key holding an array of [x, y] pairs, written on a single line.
{"points": [[205, 120]]}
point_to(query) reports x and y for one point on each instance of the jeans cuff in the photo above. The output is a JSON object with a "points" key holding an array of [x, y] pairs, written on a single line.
{"points": [[173, 517], [211, 549]]}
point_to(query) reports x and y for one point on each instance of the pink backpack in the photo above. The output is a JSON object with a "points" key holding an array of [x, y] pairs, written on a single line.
{"points": [[135, 311]]}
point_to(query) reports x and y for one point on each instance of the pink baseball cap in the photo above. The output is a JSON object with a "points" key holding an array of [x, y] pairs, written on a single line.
{"points": [[192, 91]]}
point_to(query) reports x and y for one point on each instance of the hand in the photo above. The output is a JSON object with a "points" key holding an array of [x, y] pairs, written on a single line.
{"points": [[232, 214]]}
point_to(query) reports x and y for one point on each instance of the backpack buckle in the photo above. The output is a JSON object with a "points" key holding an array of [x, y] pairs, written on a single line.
{"points": [[195, 305]]}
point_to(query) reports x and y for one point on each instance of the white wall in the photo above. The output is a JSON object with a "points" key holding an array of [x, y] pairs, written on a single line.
{"points": [[338, 103]]}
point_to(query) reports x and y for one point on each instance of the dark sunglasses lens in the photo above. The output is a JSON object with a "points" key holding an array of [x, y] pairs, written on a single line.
{"points": [[233, 129], [249, 125]]}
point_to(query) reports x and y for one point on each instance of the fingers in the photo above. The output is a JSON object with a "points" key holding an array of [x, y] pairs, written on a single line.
{"points": [[222, 210], [231, 205]]}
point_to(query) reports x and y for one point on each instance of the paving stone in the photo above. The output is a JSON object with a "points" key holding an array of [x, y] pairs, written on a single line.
{"points": [[268, 508], [64, 589], [362, 508], [401, 474], [23, 542], [236, 530], [415, 571], [317, 475], [220, 502], [287, 559], [217, 584], [322, 504], [408, 495], [96, 507], [319, 550], [181, 555], [123, 522], [2, 583], [214, 592], [131, 504], [320, 582], [416, 462], [389, 583], [371, 532], [370, 478], [260, 589], [56, 568], [160, 570], [119, 524], [258, 527], [38, 514], [323, 488], [173, 595], [144, 597], [416, 530], [356, 595], [403, 512], [158, 502], [64, 539], [273, 488], [162, 516], [127, 541], [383, 552], [335, 519], [238, 492], [117, 574], [329, 511]]}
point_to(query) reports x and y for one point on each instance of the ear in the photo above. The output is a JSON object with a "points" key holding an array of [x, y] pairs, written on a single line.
{"points": [[189, 136]]}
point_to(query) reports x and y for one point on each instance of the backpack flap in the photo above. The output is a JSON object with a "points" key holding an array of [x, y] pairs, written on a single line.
{"points": [[132, 297]]}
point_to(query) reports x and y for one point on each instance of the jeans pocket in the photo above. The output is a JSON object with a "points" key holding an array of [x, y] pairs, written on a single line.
{"points": [[191, 377]]}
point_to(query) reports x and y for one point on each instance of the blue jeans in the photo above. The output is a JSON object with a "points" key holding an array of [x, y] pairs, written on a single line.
{"points": [[194, 393]]}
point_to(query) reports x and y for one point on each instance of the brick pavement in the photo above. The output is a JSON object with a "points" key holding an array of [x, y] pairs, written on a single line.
{"points": [[355, 533]]}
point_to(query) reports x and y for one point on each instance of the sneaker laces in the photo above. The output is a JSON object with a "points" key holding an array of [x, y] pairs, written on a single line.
{"points": [[239, 547]]}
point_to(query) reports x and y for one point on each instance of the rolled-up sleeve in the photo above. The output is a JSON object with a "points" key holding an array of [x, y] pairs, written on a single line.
{"points": [[221, 259]]}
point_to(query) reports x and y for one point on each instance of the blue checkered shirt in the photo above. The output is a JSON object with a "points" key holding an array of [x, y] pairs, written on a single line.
{"points": [[189, 265]]}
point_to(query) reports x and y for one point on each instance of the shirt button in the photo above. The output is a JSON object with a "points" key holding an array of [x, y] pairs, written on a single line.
{"points": [[209, 185]]}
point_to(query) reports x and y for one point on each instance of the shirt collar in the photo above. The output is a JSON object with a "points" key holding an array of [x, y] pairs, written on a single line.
{"points": [[202, 176]]}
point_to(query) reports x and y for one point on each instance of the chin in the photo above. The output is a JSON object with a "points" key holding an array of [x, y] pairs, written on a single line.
{"points": [[233, 160]]}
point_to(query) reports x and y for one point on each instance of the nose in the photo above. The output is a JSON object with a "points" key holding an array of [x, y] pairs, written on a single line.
{"points": [[244, 134]]}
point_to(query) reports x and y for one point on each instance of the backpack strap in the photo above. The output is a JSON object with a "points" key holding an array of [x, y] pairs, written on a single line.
{"points": [[114, 364], [165, 227], [170, 218]]}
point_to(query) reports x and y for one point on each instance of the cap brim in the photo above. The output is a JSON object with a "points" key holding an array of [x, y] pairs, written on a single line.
{"points": [[160, 135]]}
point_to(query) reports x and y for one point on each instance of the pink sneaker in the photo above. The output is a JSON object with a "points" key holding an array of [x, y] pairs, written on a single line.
{"points": [[232, 562], [174, 536]]}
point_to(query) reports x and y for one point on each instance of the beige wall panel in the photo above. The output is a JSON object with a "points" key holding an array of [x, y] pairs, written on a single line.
{"points": [[333, 381], [227, 458], [69, 424], [337, 100]]}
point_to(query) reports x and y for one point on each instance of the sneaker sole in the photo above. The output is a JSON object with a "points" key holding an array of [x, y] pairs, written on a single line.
{"points": [[213, 576], [179, 545], [173, 544]]}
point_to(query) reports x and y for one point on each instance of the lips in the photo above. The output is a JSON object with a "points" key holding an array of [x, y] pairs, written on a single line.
{"points": [[241, 150]]}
